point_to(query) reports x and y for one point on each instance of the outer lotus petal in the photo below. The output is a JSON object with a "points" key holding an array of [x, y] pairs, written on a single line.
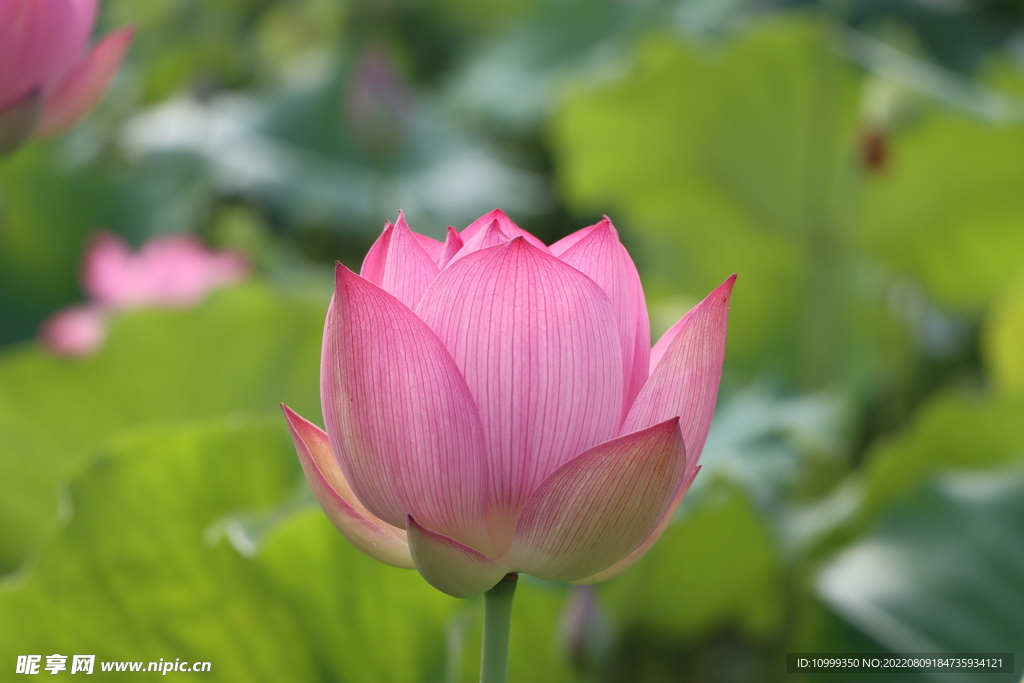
{"points": [[452, 244], [373, 536], [433, 248], [449, 566], [400, 417], [634, 557], [594, 510], [85, 84], [18, 120], [600, 256], [536, 341], [506, 225], [377, 256], [685, 381], [408, 269]]}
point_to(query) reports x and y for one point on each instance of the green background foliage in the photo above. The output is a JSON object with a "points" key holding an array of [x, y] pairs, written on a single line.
{"points": [[858, 167]]}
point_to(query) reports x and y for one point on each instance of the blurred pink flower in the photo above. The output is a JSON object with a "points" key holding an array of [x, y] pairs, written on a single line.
{"points": [[493, 405], [49, 79], [75, 331], [167, 271]]}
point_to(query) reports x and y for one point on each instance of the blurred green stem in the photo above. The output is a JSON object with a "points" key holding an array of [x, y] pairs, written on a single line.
{"points": [[497, 622], [823, 334]]}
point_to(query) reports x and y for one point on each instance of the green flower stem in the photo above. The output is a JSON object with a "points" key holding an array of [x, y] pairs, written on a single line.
{"points": [[497, 621]]}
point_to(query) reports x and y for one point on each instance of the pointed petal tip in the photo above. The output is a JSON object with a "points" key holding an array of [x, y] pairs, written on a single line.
{"points": [[605, 219], [519, 242], [85, 84], [602, 230], [342, 273], [723, 290], [495, 227], [666, 426], [293, 418]]}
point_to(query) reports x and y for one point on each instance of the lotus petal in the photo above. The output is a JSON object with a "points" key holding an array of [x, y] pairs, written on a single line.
{"points": [[376, 258], [85, 84], [400, 417], [399, 264], [449, 566], [452, 244], [433, 248], [40, 41], [537, 343], [373, 536], [684, 383], [505, 224], [597, 508], [599, 255], [491, 236], [641, 550], [563, 245]]}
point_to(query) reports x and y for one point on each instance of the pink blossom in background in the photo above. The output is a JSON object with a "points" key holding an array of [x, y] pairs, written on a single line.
{"points": [[172, 271], [49, 76], [167, 271], [493, 405], [75, 331]]}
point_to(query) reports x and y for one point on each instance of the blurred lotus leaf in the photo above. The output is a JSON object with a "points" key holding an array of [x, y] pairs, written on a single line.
{"points": [[46, 215], [1004, 339], [947, 209], [951, 431], [137, 575], [744, 158], [942, 571], [723, 161], [244, 349], [692, 582]]}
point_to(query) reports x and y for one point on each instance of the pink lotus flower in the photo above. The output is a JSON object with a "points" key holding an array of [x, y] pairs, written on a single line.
{"points": [[48, 78], [493, 406], [168, 271]]}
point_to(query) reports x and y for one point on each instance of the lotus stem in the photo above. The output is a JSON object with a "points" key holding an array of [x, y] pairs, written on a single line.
{"points": [[497, 623]]}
